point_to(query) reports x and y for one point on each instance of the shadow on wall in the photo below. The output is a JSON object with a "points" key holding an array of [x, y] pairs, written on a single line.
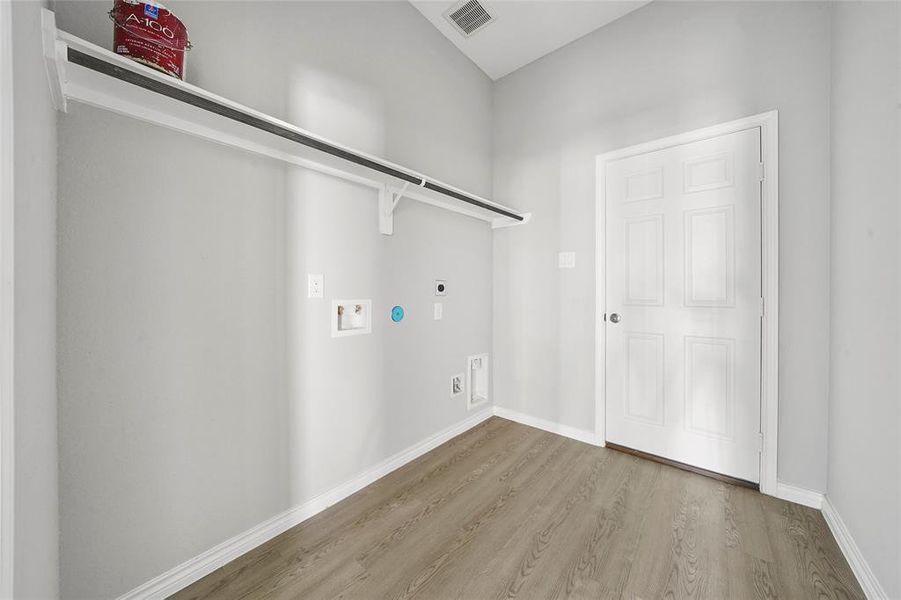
{"points": [[336, 393]]}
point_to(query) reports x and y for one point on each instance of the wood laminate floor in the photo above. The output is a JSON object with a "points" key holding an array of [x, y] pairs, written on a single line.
{"points": [[508, 511]]}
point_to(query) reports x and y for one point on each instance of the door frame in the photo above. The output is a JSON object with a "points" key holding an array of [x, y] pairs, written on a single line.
{"points": [[7, 327], [769, 341]]}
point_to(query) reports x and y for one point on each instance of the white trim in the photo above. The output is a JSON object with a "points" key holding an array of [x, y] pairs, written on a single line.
{"points": [[862, 571], [799, 495], [580, 435], [872, 589], [7, 299], [185, 574], [769, 343]]}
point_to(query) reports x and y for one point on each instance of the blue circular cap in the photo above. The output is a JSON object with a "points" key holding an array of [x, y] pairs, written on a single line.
{"points": [[397, 313]]}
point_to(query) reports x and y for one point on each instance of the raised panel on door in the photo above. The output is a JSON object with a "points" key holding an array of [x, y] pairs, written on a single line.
{"points": [[644, 185], [709, 257], [644, 260], [708, 172], [644, 377], [710, 386]]}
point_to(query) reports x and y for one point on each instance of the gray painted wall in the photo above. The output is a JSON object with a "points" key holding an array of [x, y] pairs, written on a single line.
{"points": [[864, 409], [36, 539], [200, 391], [666, 68]]}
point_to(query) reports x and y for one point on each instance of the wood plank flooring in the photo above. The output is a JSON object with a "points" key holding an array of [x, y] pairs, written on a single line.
{"points": [[508, 511]]}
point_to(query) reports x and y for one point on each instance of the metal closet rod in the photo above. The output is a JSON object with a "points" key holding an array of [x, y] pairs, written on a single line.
{"points": [[101, 66]]}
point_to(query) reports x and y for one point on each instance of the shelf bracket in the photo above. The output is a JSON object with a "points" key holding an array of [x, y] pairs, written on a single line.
{"points": [[387, 203], [502, 222], [54, 59], [388, 200], [396, 196]]}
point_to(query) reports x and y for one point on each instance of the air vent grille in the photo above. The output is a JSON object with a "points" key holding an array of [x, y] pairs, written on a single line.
{"points": [[469, 17]]}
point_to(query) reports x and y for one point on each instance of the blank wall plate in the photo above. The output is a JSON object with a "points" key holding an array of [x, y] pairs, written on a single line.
{"points": [[566, 260], [439, 311]]}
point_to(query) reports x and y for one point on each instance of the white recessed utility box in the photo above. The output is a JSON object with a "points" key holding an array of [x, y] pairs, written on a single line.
{"points": [[477, 380], [351, 317]]}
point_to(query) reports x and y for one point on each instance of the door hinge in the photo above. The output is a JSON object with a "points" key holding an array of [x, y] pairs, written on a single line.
{"points": [[762, 307], [761, 171], [760, 442]]}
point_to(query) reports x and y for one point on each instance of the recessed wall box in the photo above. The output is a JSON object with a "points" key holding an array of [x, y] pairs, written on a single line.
{"points": [[351, 317], [477, 380]]}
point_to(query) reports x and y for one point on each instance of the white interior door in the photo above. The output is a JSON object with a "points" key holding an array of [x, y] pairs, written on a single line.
{"points": [[683, 303]]}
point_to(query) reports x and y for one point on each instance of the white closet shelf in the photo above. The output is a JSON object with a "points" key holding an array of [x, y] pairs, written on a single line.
{"points": [[83, 72]]}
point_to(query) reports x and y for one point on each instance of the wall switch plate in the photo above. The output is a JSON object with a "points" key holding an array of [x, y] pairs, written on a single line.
{"points": [[440, 287], [439, 311], [566, 260], [457, 383], [314, 285]]}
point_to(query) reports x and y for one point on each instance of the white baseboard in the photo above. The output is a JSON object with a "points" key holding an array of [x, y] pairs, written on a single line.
{"points": [[846, 544], [581, 435], [865, 576], [190, 571], [194, 569], [799, 495]]}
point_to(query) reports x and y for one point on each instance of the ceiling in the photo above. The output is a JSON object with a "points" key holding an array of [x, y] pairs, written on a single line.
{"points": [[525, 30]]}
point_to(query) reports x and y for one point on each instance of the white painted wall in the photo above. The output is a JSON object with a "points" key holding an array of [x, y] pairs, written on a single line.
{"points": [[36, 524], [200, 391], [664, 69], [864, 484]]}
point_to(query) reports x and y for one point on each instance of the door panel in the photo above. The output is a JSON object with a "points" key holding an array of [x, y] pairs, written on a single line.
{"points": [[683, 272], [644, 377], [644, 261]]}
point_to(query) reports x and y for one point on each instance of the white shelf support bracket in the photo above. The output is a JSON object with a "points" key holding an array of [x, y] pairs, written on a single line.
{"points": [[388, 199], [396, 196], [387, 203], [54, 59], [501, 222]]}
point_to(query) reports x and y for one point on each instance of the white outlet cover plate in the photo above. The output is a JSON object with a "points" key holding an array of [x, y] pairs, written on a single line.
{"points": [[315, 285], [439, 311], [458, 384], [566, 260]]}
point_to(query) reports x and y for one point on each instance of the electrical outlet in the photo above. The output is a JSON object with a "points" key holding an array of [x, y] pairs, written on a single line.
{"points": [[439, 311], [457, 384], [314, 285]]}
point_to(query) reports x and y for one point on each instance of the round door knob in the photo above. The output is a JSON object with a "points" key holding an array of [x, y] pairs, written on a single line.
{"points": [[614, 318]]}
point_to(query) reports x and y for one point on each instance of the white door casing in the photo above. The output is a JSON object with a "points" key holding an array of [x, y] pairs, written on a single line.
{"points": [[683, 378]]}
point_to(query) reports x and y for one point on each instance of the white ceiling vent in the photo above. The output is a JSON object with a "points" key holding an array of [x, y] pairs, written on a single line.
{"points": [[469, 16]]}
